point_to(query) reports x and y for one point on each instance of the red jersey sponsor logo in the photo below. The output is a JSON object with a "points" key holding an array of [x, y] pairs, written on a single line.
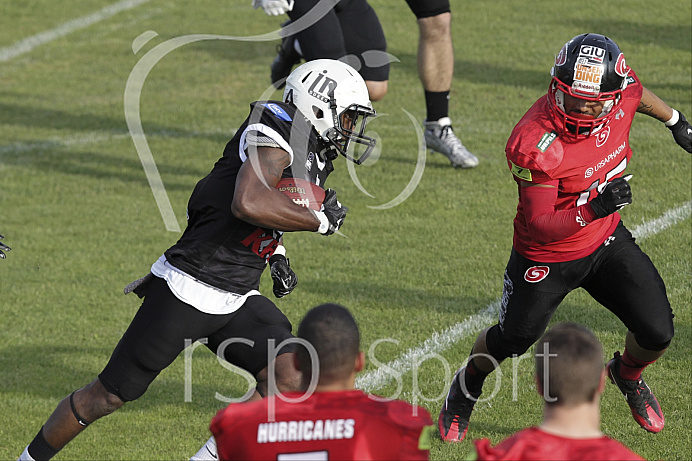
{"points": [[602, 136], [536, 273], [546, 140], [612, 156]]}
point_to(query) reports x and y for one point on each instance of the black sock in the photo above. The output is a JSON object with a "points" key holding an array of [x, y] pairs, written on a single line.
{"points": [[41, 450], [436, 104], [474, 378]]}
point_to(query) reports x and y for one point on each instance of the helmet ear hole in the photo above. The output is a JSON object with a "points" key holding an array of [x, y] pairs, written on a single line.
{"points": [[318, 112]]}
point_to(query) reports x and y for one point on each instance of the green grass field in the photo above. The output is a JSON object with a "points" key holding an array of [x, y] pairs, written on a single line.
{"points": [[82, 221]]}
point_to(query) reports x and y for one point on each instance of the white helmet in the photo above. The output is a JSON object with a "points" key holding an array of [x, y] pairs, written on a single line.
{"points": [[334, 97]]}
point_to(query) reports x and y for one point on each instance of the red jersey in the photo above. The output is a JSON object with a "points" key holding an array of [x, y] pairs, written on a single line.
{"points": [[537, 154], [348, 425], [535, 444]]}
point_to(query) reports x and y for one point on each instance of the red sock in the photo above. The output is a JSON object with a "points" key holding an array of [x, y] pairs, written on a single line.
{"points": [[631, 368], [474, 377]]}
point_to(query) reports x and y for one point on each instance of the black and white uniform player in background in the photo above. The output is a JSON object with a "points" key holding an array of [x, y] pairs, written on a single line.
{"points": [[3, 248], [205, 287]]}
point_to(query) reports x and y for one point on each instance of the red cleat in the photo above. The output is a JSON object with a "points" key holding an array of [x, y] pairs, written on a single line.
{"points": [[645, 408]]}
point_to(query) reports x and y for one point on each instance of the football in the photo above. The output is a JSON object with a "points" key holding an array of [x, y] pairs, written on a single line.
{"points": [[302, 192]]}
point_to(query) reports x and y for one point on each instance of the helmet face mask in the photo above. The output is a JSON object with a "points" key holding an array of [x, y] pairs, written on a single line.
{"points": [[576, 124], [334, 97], [349, 127], [591, 68]]}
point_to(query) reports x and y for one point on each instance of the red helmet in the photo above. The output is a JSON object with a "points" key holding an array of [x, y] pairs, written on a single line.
{"points": [[589, 67]]}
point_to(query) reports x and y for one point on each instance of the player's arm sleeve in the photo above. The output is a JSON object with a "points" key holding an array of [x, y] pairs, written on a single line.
{"points": [[257, 138], [261, 135], [545, 223]]}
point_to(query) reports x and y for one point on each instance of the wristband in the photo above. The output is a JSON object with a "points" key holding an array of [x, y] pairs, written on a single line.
{"points": [[674, 119], [280, 250], [324, 222]]}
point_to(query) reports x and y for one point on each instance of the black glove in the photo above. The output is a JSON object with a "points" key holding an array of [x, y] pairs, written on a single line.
{"points": [[617, 194], [334, 211], [682, 133], [3, 248], [285, 280]]}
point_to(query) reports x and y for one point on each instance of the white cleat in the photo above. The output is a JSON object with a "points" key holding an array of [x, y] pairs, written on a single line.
{"points": [[440, 137]]}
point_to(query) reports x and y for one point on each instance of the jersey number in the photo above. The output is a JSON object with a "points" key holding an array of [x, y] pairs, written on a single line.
{"points": [[596, 185]]}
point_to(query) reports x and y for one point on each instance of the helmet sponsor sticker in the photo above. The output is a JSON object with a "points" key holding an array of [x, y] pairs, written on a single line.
{"points": [[586, 88], [546, 140], [588, 73], [520, 172], [323, 87], [535, 274], [588, 70], [592, 54], [587, 79]]}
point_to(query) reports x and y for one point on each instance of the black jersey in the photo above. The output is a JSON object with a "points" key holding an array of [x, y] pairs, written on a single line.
{"points": [[219, 249]]}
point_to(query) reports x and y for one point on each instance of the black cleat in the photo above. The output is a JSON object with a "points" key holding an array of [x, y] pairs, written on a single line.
{"points": [[453, 421]]}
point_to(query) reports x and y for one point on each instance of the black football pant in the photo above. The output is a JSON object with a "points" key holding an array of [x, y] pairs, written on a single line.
{"points": [[619, 275]]}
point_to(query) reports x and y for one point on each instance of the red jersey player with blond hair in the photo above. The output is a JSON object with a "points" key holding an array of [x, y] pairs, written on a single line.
{"points": [[331, 420], [570, 378], [568, 156]]}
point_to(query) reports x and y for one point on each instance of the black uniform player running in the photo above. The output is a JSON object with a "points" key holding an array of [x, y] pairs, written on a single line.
{"points": [[206, 285]]}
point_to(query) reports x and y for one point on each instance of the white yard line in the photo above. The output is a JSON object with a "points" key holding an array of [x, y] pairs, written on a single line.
{"points": [[26, 45], [669, 218], [438, 342], [441, 341]]}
